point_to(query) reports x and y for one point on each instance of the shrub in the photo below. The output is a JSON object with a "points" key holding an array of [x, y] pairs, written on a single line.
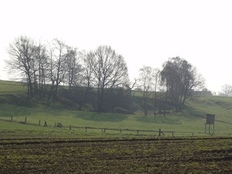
{"points": [[59, 125]]}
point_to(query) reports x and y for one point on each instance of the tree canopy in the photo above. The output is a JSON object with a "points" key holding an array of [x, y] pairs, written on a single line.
{"points": [[98, 78], [179, 77]]}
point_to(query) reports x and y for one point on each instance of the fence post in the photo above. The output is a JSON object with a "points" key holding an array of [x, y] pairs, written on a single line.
{"points": [[11, 118], [25, 119], [39, 122], [159, 132], [70, 127]]}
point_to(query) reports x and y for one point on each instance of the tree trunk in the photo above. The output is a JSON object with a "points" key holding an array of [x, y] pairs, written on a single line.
{"points": [[165, 103]]}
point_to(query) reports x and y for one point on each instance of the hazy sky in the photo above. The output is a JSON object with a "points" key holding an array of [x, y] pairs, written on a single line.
{"points": [[144, 32]]}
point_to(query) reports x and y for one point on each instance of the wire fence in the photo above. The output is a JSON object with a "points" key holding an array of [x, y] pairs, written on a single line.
{"points": [[86, 129]]}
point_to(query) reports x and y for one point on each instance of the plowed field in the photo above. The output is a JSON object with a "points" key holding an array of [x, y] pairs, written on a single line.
{"points": [[196, 155]]}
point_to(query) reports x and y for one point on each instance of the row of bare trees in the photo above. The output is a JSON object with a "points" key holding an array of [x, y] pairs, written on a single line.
{"points": [[45, 68], [100, 74]]}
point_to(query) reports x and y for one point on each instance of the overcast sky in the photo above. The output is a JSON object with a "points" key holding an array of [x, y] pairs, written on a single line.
{"points": [[144, 32]]}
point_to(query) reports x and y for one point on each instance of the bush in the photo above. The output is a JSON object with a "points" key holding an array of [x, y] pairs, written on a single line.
{"points": [[59, 125]]}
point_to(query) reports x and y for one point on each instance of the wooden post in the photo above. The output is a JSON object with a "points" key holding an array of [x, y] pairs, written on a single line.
{"points": [[39, 122], [25, 119], [159, 132], [11, 118], [70, 127]]}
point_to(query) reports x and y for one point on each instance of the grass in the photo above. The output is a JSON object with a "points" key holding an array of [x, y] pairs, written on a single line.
{"points": [[9, 87], [14, 106], [30, 147], [220, 106], [178, 123]]}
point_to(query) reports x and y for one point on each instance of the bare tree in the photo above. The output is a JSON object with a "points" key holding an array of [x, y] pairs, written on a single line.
{"points": [[156, 78], [40, 75], [22, 52], [74, 68], [226, 90], [131, 86], [82, 81], [109, 71], [146, 80], [57, 65]]}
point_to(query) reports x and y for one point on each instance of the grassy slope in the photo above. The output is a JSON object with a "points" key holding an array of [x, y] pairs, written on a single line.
{"points": [[8, 87], [190, 120], [220, 106]]}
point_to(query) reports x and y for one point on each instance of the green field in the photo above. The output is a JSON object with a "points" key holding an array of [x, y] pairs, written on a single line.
{"points": [[89, 142], [16, 109], [9, 87]]}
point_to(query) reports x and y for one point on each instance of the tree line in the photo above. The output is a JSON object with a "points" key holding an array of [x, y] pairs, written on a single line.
{"points": [[99, 78]]}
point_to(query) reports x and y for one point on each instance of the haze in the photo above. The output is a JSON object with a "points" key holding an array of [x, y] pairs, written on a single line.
{"points": [[143, 32]]}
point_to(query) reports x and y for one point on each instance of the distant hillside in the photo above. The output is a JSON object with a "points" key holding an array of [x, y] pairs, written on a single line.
{"points": [[15, 105], [220, 106], [9, 87], [14, 93]]}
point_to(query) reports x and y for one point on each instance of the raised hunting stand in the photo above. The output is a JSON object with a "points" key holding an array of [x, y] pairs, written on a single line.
{"points": [[210, 119]]}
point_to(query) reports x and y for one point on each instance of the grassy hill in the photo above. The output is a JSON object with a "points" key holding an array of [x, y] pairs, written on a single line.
{"points": [[16, 109]]}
